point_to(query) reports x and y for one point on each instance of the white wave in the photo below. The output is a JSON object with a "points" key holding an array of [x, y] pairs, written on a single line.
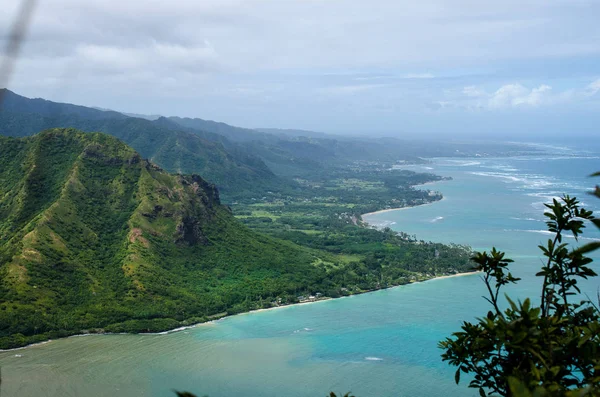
{"points": [[501, 175], [373, 359], [382, 224], [173, 330], [525, 181], [500, 167], [550, 194], [539, 205], [524, 219], [436, 219], [457, 162], [549, 233], [546, 232], [302, 330]]}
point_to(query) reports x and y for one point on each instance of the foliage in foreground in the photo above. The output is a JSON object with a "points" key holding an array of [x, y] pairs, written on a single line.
{"points": [[550, 349]]}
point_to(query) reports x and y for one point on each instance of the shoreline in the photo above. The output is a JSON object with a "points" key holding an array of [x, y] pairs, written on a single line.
{"points": [[400, 208], [454, 275], [213, 322]]}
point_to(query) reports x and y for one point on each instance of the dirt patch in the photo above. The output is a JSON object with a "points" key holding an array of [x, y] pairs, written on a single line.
{"points": [[136, 235]]}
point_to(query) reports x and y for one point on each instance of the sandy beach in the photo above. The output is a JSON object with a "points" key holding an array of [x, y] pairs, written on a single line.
{"points": [[400, 209], [454, 275], [214, 322]]}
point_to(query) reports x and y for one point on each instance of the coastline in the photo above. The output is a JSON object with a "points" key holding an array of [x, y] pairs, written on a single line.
{"points": [[400, 208], [454, 275], [213, 322]]}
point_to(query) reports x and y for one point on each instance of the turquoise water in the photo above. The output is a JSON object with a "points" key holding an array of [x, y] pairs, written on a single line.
{"points": [[376, 344]]}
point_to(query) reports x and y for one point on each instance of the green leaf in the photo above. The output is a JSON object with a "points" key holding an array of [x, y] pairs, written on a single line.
{"points": [[589, 247]]}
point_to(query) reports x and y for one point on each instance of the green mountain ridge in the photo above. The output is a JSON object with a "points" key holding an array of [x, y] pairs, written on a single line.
{"points": [[12, 102], [94, 237], [234, 171]]}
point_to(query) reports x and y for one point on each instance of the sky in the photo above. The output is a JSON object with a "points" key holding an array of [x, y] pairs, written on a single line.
{"points": [[460, 68]]}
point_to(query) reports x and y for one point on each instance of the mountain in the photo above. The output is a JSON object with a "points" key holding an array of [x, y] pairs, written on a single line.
{"points": [[236, 172], [291, 152], [93, 237], [12, 102], [294, 132], [236, 134]]}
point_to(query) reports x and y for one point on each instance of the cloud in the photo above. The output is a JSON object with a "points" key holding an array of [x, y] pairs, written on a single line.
{"points": [[472, 91], [258, 62], [514, 95], [593, 87], [509, 96]]}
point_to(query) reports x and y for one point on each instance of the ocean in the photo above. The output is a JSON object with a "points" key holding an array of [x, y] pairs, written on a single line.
{"points": [[382, 343]]}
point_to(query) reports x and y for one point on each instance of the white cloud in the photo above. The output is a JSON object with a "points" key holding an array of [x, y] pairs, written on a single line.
{"points": [[474, 92], [593, 87], [219, 58], [513, 95]]}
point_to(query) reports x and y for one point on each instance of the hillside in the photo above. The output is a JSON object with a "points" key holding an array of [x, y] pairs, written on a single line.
{"points": [[12, 102], [234, 171], [92, 236]]}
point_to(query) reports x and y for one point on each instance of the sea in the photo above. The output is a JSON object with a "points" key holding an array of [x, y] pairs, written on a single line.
{"points": [[379, 344]]}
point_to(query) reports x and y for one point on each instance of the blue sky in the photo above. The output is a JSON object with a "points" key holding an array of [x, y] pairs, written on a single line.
{"points": [[462, 68]]}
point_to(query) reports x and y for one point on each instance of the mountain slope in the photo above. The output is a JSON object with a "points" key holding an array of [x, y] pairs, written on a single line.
{"points": [[236, 134], [235, 172], [94, 237], [16, 103]]}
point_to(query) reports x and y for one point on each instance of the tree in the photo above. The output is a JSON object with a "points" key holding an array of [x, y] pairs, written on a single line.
{"points": [[550, 349]]}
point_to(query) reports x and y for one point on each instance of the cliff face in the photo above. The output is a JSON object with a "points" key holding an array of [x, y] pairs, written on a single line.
{"points": [[92, 235]]}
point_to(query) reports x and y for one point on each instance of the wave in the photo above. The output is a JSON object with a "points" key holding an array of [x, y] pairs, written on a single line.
{"points": [[500, 167], [549, 233], [547, 194], [462, 163], [302, 330], [373, 359], [382, 224], [526, 181], [436, 219], [525, 219], [553, 158], [173, 330]]}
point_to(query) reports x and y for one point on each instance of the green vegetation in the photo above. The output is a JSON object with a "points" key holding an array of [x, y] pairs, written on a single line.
{"points": [[93, 238], [243, 163], [550, 349], [326, 215], [235, 172]]}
